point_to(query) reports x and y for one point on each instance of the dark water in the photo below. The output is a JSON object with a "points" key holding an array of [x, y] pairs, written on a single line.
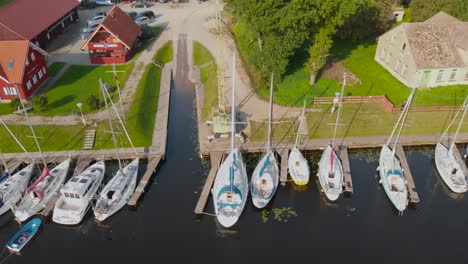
{"points": [[164, 229]]}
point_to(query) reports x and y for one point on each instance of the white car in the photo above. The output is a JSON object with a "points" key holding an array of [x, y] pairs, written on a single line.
{"points": [[96, 19], [142, 20]]}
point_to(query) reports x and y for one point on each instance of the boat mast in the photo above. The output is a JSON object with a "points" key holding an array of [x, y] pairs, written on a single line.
{"points": [[405, 114], [34, 134], [339, 109], [398, 121], [300, 124], [465, 106], [233, 106], [453, 119], [270, 115], [110, 124], [121, 122], [17, 141]]}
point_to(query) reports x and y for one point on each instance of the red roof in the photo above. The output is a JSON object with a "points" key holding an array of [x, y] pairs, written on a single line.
{"points": [[120, 25], [28, 18], [8, 34], [12, 58]]}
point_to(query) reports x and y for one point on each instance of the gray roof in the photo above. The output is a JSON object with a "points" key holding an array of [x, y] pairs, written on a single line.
{"points": [[434, 42]]}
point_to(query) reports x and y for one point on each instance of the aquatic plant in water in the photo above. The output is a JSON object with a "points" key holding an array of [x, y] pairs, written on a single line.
{"points": [[265, 215], [279, 214]]}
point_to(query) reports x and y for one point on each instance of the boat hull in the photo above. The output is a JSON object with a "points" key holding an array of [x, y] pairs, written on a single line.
{"points": [[23, 236], [298, 167], [264, 181], [390, 169], [446, 164], [17, 184], [330, 174], [228, 210]]}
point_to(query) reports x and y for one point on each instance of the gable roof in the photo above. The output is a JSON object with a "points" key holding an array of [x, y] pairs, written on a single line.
{"points": [[120, 25], [12, 59], [8, 34], [28, 18], [434, 42]]}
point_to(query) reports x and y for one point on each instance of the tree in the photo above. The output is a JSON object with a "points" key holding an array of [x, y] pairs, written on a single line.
{"points": [[424, 9], [318, 52], [39, 102], [93, 102], [15, 103]]}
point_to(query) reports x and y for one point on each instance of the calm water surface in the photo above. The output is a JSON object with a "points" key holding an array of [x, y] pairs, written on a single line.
{"points": [[164, 229]]}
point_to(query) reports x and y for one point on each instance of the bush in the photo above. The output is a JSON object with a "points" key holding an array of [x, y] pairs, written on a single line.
{"points": [[15, 103], [93, 102], [111, 88], [147, 32], [40, 102]]}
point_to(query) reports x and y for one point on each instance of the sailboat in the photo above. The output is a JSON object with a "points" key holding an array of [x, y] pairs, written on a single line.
{"points": [[391, 174], [13, 187], [118, 190], [297, 164], [4, 174], [330, 171], [265, 177], [230, 188], [448, 166], [39, 194]]}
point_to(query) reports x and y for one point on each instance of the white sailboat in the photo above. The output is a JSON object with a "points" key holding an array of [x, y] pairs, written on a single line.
{"points": [[39, 194], [115, 195], [330, 171], [265, 177], [391, 174], [77, 194], [13, 187], [5, 173], [297, 164], [230, 188], [448, 166]]}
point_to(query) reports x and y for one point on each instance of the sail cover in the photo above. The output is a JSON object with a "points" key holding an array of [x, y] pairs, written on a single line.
{"points": [[44, 174], [4, 175]]}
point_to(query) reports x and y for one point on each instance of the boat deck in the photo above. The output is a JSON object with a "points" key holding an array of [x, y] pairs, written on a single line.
{"points": [[458, 157]]}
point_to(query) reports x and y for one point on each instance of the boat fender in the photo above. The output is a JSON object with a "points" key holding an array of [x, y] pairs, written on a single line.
{"points": [[378, 168], [380, 181]]}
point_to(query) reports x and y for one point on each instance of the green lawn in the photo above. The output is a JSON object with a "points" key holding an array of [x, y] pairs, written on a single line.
{"points": [[142, 114], [359, 59], [55, 67], [5, 109], [77, 84], [358, 120], [203, 57]]}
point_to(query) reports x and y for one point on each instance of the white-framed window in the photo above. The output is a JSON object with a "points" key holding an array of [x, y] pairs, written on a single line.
{"points": [[43, 70], [10, 90], [440, 75], [28, 85], [33, 57], [34, 78], [382, 54], [63, 25], [27, 61], [397, 65], [404, 69], [40, 74], [48, 35], [389, 56], [453, 74]]}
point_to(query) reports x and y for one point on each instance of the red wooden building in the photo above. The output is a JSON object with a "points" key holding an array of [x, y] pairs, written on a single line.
{"points": [[113, 41], [22, 68]]}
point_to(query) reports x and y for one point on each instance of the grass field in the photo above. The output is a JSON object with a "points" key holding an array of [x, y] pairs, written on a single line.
{"points": [[142, 114], [203, 57], [4, 2], [5, 109], [358, 57], [55, 67], [77, 84], [358, 120]]}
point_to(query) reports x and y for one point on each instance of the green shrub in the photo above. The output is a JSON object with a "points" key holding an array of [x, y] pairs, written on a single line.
{"points": [[39, 102], [93, 102], [15, 103]]}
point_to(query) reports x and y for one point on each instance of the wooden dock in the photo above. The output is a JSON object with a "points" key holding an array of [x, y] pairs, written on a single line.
{"points": [[347, 180], [460, 160], [81, 165], [13, 165], [284, 153], [140, 189], [50, 206], [215, 162], [413, 195]]}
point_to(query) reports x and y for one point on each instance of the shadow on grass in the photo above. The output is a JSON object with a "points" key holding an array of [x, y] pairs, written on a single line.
{"points": [[62, 101], [343, 48], [73, 74]]}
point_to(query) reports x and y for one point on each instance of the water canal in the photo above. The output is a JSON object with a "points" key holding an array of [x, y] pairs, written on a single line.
{"points": [[164, 229]]}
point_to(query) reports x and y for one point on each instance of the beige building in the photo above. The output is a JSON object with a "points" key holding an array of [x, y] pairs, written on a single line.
{"points": [[426, 54]]}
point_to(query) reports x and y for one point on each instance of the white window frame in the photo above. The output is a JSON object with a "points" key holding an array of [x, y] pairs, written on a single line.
{"points": [[27, 61], [403, 70], [34, 78], [453, 75], [397, 65], [39, 73], [389, 56], [29, 85], [440, 76], [33, 57], [43, 70]]}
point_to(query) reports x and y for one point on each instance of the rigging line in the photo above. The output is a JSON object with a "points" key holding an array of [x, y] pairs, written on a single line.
{"points": [[403, 120], [459, 124], [202, 213], [233, 107], [4, 163], [398, 122], [453, 120], [121, 122], [16, 139], [270, 114], [5, 259], [301, 117], [340, 104]]}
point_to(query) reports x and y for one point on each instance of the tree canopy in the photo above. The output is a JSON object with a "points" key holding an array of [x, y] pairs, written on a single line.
{"points": [[424, 9]]}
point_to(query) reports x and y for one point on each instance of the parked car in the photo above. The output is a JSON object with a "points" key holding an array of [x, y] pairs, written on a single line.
{"points": [[95, 19], [147, 13], [105, 2], [90, 27], [142, 20], [87, 4], [139, 4], [163, 1], [132, 14], [101, 13], [85, 32]]}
